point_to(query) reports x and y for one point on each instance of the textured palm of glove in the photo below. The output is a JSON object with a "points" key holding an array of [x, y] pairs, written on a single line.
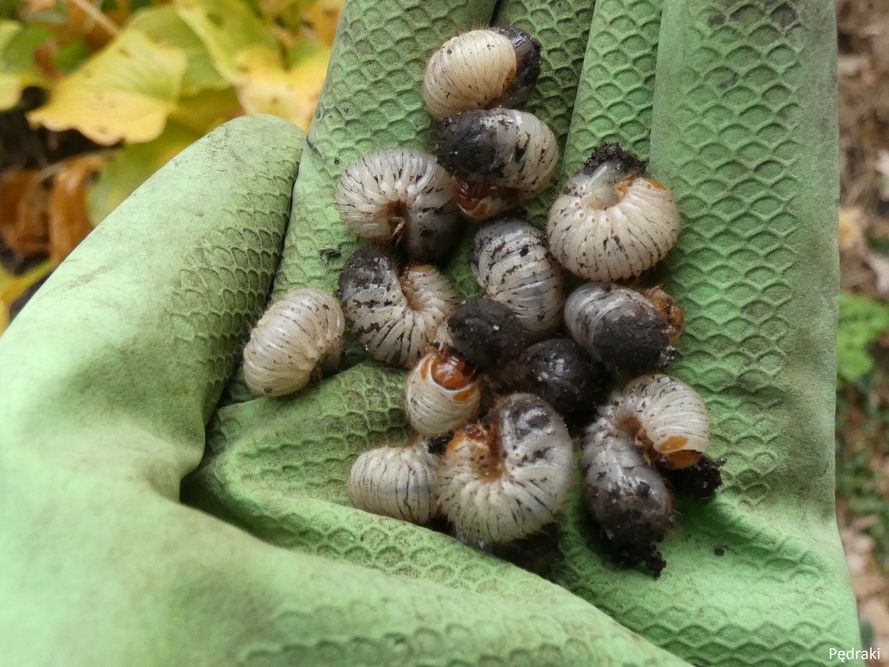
{"points": [[107, 408]]}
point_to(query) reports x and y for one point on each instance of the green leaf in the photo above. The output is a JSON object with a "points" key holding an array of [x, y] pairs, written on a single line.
{"points": [[124, 92], [133, 165], [862, 321], [207, 109], [163, 25], [18, 43], [70, 56]]}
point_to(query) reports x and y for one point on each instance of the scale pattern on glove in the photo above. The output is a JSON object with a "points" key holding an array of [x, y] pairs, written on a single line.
{"points": [[615, 96], [755, 271]]}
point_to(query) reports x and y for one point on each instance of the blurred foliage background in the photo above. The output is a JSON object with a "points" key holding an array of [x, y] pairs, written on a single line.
{"points": [[96, 95]]}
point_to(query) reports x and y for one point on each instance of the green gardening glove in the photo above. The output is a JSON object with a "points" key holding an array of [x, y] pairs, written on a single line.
{"points": [[114, 370]]}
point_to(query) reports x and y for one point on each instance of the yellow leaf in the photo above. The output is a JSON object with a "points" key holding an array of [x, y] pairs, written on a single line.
{"points": [[12, 286], [323, 16], [269, 87], [131, 166], [163, 25], [227, 28], [125, 92]]}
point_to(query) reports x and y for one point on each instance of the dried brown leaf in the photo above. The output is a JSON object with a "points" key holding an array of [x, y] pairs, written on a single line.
{"points": [[68, 219]]}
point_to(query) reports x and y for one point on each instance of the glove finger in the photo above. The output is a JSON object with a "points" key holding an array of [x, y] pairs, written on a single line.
{"points": [[145, 321], [744, 132], [616, 90], [371, 99], [286, 485], [562, 29]]}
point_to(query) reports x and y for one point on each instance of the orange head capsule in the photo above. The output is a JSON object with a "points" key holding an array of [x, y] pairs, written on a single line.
{"points": [[441, 393]]}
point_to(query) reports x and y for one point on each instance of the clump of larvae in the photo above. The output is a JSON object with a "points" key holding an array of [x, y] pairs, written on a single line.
{"points": [[400, 482], [626, 497], [400, 196], [441, 393], [481, 69], [500, 157], [620, 328], [612, 222], [562, 374], [299, 338], [485, 333], [511, 263], [507, 477], [395, 315]]}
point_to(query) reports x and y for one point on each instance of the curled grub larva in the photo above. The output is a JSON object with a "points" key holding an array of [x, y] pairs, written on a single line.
{"points": [[441, 393], [296, 339], [562, 374], [400, 482], [394, 316], [511, 150], [510, 262], [664, 416], [611, 222], [486, 333], [625, 495], [481, 69], [619, 327], [403, 196], [507, 476]]}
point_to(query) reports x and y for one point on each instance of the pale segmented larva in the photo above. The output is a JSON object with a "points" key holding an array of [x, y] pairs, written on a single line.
{"points": [[506, 155], [510, 262], [611, 222], [296, 339], [663, 415], [625, 495], [394, 316], [399, 482], [619, 327], [400, 195], [481, 69], [441, 393], [507, 476]]}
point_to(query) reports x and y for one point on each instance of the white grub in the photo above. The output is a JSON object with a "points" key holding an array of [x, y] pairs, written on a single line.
{"points": [[402, 196], [394, 316], [611, 222], [399, 482], [296, 339], [506, 155], [511, 263], [441, 394], [662, 415], [481, 69], [508, 476], [625, 495], [619, 327]]}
